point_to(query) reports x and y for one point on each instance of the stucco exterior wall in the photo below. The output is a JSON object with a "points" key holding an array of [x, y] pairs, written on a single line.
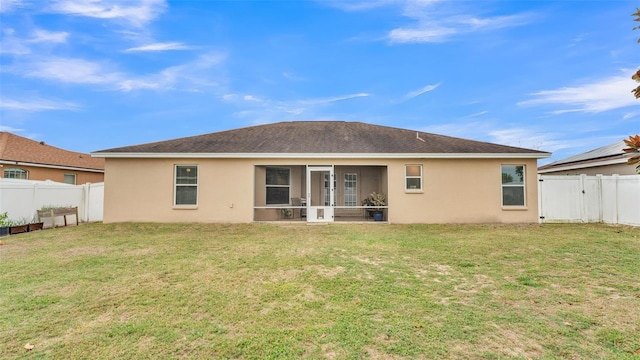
{"points": [[41, 173], [454, 190]]}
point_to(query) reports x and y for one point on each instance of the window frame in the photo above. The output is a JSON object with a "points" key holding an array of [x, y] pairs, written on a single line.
{"points": [[354, 191], [522, 185], [267, 185], [176, 185], [15, 171], [407, 177], [75, 179]]}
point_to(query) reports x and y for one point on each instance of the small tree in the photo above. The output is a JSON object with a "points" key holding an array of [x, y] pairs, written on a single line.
{"points": [[636, 76], [633, 151]]}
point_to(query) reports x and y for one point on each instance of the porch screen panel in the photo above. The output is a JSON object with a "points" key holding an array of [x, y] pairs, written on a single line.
{"points": [[278, 186], [350, 189]]}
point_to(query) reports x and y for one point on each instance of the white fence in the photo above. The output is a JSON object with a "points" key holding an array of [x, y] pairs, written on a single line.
{"points": [[22, 198], [611, 199]]}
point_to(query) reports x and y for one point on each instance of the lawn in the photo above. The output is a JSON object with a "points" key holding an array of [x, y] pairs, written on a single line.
{"points": [[261, 291]]}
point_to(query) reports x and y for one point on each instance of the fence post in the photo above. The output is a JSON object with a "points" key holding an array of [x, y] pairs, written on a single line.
{"points": [[615, 198], [540, 207], [583, 210], [85, 199]]}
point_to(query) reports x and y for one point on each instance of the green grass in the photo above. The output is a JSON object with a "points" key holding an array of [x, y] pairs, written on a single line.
{"points": [[264, 291]]}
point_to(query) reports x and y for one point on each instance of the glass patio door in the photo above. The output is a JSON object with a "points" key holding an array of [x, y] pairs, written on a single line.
{"points": [[320, 193]]}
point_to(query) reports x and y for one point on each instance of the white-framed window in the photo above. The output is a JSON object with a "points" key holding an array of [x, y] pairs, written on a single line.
{"points": [[513, 185], [278, 183], [350, 189], [413, 177], [15, 173], [69, 179], [186, 185]]}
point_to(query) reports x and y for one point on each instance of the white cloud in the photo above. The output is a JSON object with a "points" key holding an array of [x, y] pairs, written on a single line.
{"points": [[70, 70], [10, 5], [135, 12], [421, 91], [36, 104], [10, 129], [189, 77], [602, 95], [159, 47], [334, 99], [358, 5], [434, 20], [435, 27], [41, 35], [13, 45], [477, 114], [263, 110]]}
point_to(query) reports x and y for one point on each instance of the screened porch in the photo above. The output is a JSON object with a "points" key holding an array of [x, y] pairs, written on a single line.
{"points": [[319, 193]]}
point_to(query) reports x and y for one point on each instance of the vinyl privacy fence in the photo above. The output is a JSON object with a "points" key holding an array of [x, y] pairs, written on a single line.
{"points": [[613, 199], [22, 198]]}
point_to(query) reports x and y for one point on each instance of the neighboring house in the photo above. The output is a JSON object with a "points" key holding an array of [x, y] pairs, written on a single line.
{"points": [[606, 160], [329, 167], [22, 158]]}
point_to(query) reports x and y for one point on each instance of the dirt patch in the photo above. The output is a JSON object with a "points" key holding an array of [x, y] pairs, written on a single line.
{"points": [[326, 271], [85, 251]]}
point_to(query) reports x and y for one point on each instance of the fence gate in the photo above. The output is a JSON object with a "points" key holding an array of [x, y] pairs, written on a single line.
{"points": [[581, 198]]}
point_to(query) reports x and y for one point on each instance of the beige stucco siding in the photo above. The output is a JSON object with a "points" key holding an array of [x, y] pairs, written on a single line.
{"points": [[43, 173], [454, 190], [460, 191]]}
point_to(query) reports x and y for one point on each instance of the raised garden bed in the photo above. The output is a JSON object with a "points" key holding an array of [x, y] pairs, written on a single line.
{"points": [[48, 216]]}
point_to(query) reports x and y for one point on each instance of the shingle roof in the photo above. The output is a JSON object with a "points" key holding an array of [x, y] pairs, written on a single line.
{"points": [[610, 152], [320, 137], [20, 149]]}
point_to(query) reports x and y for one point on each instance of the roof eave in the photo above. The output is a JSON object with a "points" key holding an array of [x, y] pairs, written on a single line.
{"points": [[583, 165], [536, 155], [50, 166]]}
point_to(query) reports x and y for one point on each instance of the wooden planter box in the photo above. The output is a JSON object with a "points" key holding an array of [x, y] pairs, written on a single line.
{"points": [[48, 217], [18, 229], [36, 226]]}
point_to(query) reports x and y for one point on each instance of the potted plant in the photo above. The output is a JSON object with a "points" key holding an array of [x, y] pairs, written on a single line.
{"points": [[375, 200], [4, 224]]}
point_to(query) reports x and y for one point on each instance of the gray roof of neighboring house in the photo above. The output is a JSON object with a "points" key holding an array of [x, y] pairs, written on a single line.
{"points": [[319, 137], [610, 152]]}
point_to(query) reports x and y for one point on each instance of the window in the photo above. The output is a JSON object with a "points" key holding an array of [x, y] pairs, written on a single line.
{"points": [[513, 185], [69, 179], [15, 173], [186, 185], [413, 176], [278, 186], [350, 189]]}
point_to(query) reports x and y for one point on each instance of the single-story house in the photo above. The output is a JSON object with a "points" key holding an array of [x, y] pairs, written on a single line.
{"points": [[320, 171], [606, 160], [22, 158]]}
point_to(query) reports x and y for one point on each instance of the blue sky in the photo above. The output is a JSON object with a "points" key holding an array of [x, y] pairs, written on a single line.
{"points": [[97, 74]]}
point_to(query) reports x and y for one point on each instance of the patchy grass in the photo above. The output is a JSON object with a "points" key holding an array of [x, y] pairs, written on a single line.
{"points": [[263, 291]]}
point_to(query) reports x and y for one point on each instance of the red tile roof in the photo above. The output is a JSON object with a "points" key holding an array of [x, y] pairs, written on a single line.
{"points": [[20, 149], [320, 137]]}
